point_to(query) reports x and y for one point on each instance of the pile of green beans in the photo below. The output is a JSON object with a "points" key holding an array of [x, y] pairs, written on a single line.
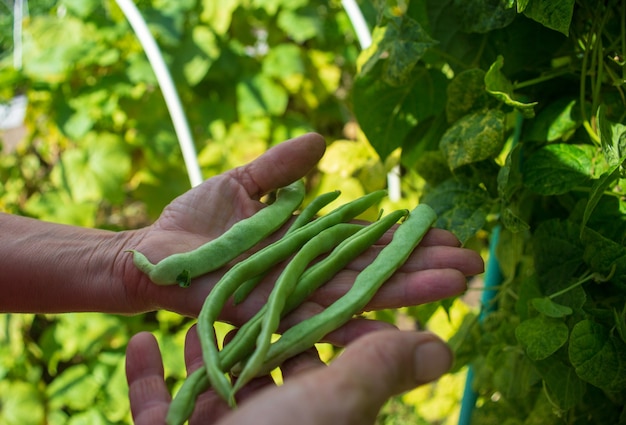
{"points": [[311, 251]]}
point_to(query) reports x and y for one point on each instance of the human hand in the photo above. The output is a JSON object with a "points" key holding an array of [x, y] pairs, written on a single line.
{"points": [[437, 269], [351, 390]]}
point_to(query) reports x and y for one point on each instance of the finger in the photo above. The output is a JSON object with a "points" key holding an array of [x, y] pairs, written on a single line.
{"points": [[148, 394], [400, 290], [281, 164], [354, 387], [465, 260], [303, 362]]}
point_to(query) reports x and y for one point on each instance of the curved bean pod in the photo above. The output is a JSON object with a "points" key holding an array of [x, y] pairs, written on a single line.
{"points": [[182, 267], [312, 278], [301, 219], [308, 332], [321, 243], [258, 263], [243, 343]]}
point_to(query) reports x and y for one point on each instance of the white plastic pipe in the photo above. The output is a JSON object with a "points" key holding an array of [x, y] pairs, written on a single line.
{"points": [[18, 17], [365, 40], [167, 88]]}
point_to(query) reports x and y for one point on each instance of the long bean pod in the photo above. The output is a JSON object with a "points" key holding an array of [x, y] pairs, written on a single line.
{"points": [[314, 277], [255, 264], [305, 334], [182, 267], [243, 343], [321, 243], [305, 216]]}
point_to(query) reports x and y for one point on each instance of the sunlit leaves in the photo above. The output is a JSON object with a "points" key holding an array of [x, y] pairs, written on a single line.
{"points": [[558, 168], [462, 209], [501, 88], [388, 114], [556, 15]]}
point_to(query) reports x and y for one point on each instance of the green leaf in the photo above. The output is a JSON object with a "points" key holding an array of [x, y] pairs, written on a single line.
{"points": [[473, 138], [557, 121], [541, 336], [483, 16], [388, 114], [52, 62], [75, 388], [597, 191], [301, 24], [196, 54], [400, 44], [218, 15], [612, 137], [466, 93], [605, 257], [558, 168], [260, 96], [98, 171], [549, 308], [460, 208], [20, 403], [556, 15], [557, 254], [501, 88], [565, 388], [598, 357], [81, 8]]}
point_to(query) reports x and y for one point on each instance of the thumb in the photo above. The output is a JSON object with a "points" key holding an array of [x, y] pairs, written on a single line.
{"points": [[355, 386]]}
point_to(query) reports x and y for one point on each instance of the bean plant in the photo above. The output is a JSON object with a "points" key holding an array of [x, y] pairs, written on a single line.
{"points": [[513, 113]]}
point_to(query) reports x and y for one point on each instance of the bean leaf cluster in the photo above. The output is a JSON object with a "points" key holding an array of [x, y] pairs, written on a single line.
{"points": [[513, 113]]}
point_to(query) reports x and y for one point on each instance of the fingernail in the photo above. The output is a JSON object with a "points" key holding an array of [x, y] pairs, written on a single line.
{"points": [[433, 358]]}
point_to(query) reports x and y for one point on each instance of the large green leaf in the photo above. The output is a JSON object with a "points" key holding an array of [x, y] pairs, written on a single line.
{"points": [[20, 403], [474, 138], [558, 168], [259, 96], [565, 388], [483, 16], [399, 45], [460, 208], [605, 256], [97, 172], [556, 15], [541, 336], [598, 356], [388, 114], [466, 93], [52, 62]]}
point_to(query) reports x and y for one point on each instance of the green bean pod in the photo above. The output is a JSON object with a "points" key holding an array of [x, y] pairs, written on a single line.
{"points": [[182, 267], [308, 332], [312, 278], [303, 218], [244, 341], [258, 263], [321, 243], [183, 404], [310, 211]]}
